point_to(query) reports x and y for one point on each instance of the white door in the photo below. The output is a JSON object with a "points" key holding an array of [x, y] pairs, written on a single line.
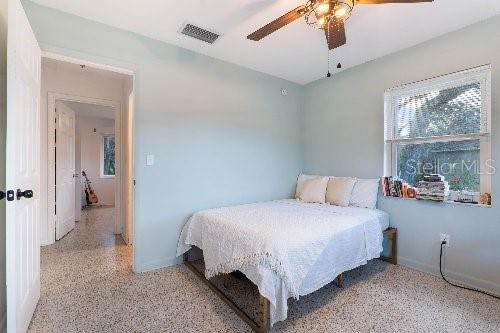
{"points": [[65, 170], [23, 170]]}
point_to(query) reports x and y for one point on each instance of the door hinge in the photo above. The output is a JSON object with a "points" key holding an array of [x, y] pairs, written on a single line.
{"points": [[134, 182]]}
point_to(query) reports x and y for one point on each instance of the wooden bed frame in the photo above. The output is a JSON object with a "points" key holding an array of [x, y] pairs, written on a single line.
{"points": [[392, 236], [263, 323]]}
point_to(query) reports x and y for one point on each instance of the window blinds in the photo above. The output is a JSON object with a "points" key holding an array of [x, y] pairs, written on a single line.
{"points": [[452, 105], [450, 111]]}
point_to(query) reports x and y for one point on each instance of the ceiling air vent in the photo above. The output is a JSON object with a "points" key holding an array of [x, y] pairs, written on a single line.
{"points": [[191, 30]]}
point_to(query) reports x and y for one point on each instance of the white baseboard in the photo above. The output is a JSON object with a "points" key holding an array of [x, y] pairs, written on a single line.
{"points": [[465, 280]]}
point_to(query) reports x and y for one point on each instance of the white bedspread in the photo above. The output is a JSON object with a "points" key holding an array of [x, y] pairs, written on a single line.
{"points": [[283, 246]]}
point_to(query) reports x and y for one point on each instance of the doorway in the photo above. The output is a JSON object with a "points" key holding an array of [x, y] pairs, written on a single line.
{"points": [[84, 170], [90, 151], [85, 163]]}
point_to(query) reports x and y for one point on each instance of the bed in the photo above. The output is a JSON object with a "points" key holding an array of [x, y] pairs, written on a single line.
{"points": [[287, 248]]}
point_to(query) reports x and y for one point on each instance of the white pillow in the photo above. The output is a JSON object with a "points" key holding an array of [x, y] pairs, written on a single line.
{"points": [[365, 193], [314, 190], [300, 183], [339, 190]]}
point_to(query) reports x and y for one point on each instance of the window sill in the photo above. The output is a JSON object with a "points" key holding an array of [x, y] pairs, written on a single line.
{"points": [[448, 202], [106, 177]]}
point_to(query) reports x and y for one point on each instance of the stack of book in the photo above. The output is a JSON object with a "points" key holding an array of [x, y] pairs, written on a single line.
{"points": [[433, 187], [409, 191], [395, 187]]}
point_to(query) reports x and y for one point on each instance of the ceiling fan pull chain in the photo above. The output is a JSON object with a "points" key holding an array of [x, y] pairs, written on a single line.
{"points": [[328, 74], [328, 50]]}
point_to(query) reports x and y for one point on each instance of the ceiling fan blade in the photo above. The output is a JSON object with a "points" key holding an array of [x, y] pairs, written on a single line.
{"points": [[277, 24], [335, 34], [379, 2]]}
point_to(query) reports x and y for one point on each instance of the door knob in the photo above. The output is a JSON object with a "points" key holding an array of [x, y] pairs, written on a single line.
{"points": [[28, 194]]}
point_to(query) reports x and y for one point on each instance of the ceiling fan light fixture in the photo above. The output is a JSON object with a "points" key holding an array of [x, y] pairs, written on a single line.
{"points": [[321, 21], [327, 15], [323, 8], [319, 13], [341, 11]]}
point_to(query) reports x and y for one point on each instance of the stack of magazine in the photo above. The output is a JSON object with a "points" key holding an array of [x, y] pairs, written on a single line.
{"points": [[433, 187]]}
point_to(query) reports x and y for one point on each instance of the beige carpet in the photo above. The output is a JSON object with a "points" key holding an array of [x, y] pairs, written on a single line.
{"points": [[88, 286]]}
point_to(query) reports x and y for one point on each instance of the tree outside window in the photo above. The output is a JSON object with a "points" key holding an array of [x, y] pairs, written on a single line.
{"points": [[108, 156]]}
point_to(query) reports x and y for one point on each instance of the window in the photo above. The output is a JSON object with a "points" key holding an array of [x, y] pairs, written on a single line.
{"points": [[441, 126], [108, 156]]}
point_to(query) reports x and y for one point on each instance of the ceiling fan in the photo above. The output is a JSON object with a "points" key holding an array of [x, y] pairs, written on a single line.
{"points": [[328, 15]]}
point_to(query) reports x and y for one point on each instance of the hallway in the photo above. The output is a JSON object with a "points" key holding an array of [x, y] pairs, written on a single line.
{"points": [[77, 266]]}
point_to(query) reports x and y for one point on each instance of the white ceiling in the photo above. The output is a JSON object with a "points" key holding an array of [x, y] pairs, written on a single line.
{"points": [[91, 110], [297, 52]]}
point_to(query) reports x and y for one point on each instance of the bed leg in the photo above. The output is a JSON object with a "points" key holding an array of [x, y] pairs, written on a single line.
{"points": [[265, 315], [392, 234], [394, 248], [226, 280], [340, 280]]}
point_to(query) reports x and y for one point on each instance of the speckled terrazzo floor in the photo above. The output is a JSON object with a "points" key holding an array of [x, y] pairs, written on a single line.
{"points": [[88, 286]]}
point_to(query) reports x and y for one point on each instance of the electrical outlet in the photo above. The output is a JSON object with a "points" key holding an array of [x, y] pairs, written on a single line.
{"points": [[445, 238]]}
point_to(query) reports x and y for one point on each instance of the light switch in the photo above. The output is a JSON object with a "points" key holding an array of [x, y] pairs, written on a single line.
{"points": [[150, 160]]}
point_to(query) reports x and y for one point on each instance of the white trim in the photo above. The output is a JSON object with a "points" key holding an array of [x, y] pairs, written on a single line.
{"points": [[55, 56], [442, 138], [129, 185], [475, 72], [51, 115], [481, 74], [101, 157]]}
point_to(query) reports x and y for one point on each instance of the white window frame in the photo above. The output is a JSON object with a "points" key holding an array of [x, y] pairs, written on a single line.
{"points": [[480, 75], [102, 175]]}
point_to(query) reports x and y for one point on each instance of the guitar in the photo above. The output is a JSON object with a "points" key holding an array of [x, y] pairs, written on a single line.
{"points": [[90, 196]]}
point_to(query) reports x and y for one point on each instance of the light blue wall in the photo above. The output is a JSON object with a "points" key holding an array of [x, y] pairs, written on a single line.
{"points": [[221, 134], [343, 135]]}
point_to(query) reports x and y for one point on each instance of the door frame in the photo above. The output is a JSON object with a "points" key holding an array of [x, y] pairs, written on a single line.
{"points": [[52, 99], [127, 68]]}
